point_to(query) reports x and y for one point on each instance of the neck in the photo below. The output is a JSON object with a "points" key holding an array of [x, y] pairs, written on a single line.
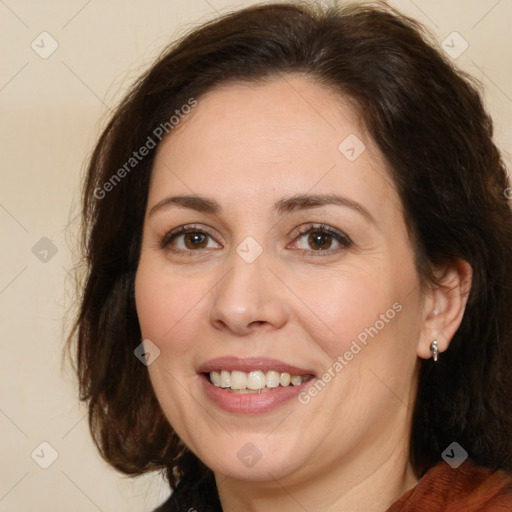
{"points": [[332, 489]]}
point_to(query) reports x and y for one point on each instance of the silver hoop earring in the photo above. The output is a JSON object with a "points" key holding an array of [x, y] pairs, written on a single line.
{"points": [[435, 350]]}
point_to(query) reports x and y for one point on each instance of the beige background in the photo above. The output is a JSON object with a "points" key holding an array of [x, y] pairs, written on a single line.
{"points": [[52, 110]]}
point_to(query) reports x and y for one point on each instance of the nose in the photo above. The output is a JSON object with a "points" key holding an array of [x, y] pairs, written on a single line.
{"points": [[249, 298]]}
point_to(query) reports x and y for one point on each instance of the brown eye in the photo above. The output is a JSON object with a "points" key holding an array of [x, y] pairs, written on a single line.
{"points": [[187, 239], [320, 241], [195, 240], [321, 238]]}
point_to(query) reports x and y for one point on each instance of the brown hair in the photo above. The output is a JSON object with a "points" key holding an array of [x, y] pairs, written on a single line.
{"points": [[429, 122]]}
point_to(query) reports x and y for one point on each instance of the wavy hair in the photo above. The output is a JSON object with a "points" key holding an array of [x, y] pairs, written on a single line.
{"points": [[427, 118]]}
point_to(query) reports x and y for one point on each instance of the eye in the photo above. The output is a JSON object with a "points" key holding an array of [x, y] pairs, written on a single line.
{"points": [[321, 238], [189, 239]]}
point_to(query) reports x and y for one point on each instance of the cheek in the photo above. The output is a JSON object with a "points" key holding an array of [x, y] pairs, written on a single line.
{"points": [[367, 313], [168, 307], [347, 306]]}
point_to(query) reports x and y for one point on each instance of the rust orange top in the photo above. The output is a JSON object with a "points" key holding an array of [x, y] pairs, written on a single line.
{"points": [[468, 488]]}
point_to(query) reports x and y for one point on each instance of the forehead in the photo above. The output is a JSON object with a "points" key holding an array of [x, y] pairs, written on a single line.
{"points": [[251, 143]]}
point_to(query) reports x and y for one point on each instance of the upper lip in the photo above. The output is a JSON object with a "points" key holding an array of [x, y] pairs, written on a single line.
{"points": [[249, 364]]}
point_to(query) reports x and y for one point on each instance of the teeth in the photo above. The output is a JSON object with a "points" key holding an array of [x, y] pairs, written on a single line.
{"points": [[296, 380], [284, 379], [256, 380], [225, 379], [215, 378], [272, 379], [238, 380], [253, 381]]}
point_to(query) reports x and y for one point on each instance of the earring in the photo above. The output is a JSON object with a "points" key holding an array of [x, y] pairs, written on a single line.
{"points": [[434, 349]]}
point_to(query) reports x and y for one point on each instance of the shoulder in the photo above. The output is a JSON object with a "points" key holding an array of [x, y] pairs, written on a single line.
{"points": [[202, 496], [469, 487]]}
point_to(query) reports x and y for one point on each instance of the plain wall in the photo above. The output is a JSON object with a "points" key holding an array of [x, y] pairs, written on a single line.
{"points": [[51, 111]]}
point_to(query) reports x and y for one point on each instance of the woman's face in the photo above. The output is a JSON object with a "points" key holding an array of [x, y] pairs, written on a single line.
{"points": [[275, 248]]}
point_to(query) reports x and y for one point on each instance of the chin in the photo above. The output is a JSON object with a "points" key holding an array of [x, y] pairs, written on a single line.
{"points": [[254, 458]]}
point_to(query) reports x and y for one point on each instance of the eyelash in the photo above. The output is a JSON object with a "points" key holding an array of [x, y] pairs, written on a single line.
{"points": [[344, 241], [182, 230]]}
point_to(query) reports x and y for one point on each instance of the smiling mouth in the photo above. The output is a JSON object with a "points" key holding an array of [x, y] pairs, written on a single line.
{"points": [[255, 381]]}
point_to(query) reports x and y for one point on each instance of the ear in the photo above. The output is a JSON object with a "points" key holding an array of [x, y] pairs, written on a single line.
{"points": [[444, 306]]}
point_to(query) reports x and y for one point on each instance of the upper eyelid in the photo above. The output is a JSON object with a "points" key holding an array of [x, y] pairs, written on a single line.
{"points": [[297, 232], [301, 230], [182, 230]]}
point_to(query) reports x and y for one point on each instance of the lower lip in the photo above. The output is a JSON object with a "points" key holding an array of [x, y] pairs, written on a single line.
{"points": [[251, 403]]}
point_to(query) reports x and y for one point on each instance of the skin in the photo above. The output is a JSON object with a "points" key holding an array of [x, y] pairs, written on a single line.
{"points": [[247, 147]]}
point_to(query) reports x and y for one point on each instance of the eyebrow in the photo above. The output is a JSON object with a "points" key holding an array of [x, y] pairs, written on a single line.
{"points": [[288, 205], [302, 202], [198, 203]]}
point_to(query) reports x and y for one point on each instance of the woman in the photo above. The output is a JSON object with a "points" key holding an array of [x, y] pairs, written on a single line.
{"points": [[299, 274]]}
